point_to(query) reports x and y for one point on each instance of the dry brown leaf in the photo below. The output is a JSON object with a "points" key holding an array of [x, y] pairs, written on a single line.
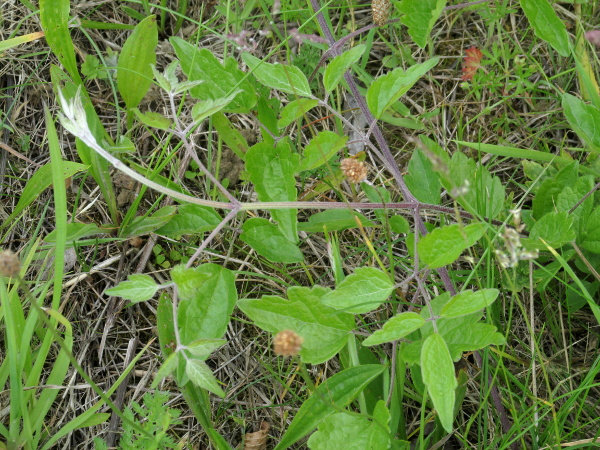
{"points": [[257, 440]]}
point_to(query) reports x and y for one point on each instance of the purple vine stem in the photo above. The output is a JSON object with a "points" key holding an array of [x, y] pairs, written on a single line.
{"points": [[390, 164]]}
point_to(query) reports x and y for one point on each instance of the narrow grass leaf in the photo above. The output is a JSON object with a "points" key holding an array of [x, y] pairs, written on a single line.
{"points": [[134, 74], [388, 88], [420, 17], [41, 180], [144, 225], [230, 135], [76, 231], [137, 288], [590, 300], [324, 330], [338, 66], [444, 245], [546, 24], [469, 302], [513, 152], [363, 291], [16, 41], [285, 78], [54, 16], [334, 393], [438, 376], [396, 328]]}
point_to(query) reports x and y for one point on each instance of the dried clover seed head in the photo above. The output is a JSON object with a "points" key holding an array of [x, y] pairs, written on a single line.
{"points": [[381, 11], [354, 170], [287, 343], [10, 266]]}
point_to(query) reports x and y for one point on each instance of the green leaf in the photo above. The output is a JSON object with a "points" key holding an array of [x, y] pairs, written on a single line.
{"points": [[294, 110], [208, 296], [206, 108], [324, 330], [268, 240], [166, 369], [363, 291], [444, 245], [201, 375], [584, 119], [334, 220], [54, 16], [339, 65], [481, 194], [378, 194], [591, 236], [98, 167], [134, 74], [396, 328], [153, 119], [546, 25], [288, 79], [190, 219], [334, 431], [339, 390], [123, 145], [469, 302], [144, 225], [438, 376], [202, 348], [92, 68], [461, 334], [399, 224], [421, 179], [76, 231], [40, 180], [272, 169], [321, 149], [545, 200], [137, 288], [471, 336], [199, 64], [571, 195], [387, 89], [230, 135], [420, 17], [556, 228]]}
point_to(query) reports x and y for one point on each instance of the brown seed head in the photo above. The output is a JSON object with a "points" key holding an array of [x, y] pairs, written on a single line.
{"points": [[287, 343], [10, 266], [381, 11], [355, 170]]}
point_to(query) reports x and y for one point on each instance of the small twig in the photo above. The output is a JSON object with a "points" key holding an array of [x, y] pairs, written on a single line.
{"points": [[584, 198]]}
